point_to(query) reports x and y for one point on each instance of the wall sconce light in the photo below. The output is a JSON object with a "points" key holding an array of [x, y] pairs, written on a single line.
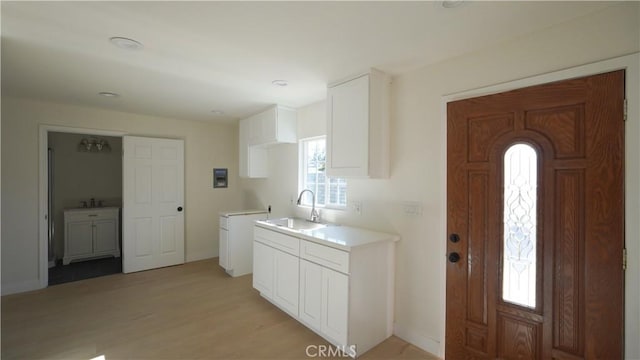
{"points": [[94, 144]]}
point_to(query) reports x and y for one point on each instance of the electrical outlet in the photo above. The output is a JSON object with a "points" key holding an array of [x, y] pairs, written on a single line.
{"points": [[357, 207], [413, 208]]}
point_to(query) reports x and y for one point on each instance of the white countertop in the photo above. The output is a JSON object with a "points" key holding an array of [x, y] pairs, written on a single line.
{"points": [[336, 236], [242, 212], [93, 208]]}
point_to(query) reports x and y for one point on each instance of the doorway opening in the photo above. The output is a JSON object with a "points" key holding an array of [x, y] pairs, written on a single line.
{"points": [[84, 188]]}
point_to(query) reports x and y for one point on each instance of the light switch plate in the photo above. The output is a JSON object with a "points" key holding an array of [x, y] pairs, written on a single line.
{"points": [[356, 206]]}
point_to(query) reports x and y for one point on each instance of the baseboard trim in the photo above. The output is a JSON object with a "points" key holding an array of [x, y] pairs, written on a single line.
{"points": [[19, 287], [199, 256], [425, 343]]}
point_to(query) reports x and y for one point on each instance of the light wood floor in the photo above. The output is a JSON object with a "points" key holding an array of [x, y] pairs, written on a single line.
{"points": [[192, 311]]}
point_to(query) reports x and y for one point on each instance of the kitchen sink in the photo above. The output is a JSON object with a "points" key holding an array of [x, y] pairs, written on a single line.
{"points": [[295, 224]]}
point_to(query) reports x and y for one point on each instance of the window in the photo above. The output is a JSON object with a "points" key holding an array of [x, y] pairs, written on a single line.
{"points": [[519, 243], [330, 192]]}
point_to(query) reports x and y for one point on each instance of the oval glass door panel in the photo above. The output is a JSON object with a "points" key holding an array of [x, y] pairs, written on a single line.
{"points": [[519, 244]]}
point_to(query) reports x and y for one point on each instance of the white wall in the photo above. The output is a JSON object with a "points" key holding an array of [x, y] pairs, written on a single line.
{"points": [[206, 146], [418, 161]]}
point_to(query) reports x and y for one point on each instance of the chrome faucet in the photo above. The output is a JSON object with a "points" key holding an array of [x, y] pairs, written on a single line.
{"points": [[314, 216]]}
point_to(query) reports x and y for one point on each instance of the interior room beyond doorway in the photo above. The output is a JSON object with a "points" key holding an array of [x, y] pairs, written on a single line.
{"points": [[85, 188]]}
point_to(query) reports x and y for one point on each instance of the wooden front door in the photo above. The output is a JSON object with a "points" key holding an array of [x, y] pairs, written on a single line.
{"points": [[535, 222]]}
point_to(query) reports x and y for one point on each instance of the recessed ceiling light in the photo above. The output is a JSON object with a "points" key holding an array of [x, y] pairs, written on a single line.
{"points": [[281, 83], [450, 4], [108, 94], [126, 43], [217, 112]]}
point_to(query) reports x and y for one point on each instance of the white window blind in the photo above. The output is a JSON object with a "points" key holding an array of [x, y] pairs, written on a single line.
{"points": [[330, 192]]}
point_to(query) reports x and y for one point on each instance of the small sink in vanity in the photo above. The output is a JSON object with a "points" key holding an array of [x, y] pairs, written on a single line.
{"points": [[336, 280]]}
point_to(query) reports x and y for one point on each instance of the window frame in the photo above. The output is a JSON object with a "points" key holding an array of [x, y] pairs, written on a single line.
{"points": [[302, 155]]}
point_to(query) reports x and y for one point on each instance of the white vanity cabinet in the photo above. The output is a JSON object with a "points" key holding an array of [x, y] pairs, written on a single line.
{"points": [[343, 290], [91, 233], [358, 127]]}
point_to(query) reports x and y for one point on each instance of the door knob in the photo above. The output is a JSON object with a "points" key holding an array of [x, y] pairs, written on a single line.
{"points": [[454, 257], [179, 208], [454, 238]]}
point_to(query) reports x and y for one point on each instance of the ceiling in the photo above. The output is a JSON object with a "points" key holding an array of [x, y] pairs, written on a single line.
{"points": [[204, 56]]}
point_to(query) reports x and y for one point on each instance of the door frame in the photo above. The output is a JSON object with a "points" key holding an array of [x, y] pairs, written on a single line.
{"points": [[43, 189], [631, 64]]}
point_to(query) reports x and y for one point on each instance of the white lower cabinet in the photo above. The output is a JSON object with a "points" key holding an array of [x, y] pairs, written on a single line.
{"points": [[310, 294], [275, 275], [335, 306], [263, 269], [344, 296], [285, 280], [324, 299], [223, 251], [236, 241]]}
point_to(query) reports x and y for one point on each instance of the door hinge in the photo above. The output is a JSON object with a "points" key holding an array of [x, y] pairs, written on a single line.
{"points": [[624, 110], [624, 259]]}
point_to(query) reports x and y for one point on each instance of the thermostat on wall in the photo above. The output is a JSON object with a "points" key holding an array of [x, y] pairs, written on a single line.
{"points": [[220, 178]]}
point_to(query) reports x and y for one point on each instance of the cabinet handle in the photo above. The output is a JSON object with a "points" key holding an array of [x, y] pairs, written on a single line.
{"points": [[93, 215]]}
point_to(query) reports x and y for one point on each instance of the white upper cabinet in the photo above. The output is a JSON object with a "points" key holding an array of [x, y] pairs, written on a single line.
{"points": [[358, 127], [274, 126], [253, 159]]}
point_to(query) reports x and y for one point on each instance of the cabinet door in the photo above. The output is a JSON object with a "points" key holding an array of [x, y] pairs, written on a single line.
{"points": [[335, 305], [263, 128], [257, 162], [257, 129], [263, 269], [223, 256], [348, 128], [243, 151], [286, 281], [79, 238], [310, 294], [106, 235], [252, 160], [268, 126]]}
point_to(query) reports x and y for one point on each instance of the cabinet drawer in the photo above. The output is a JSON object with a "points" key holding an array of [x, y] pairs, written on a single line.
{"points": [[277, 240], [224, 222], [325, 256], [89, 215]]}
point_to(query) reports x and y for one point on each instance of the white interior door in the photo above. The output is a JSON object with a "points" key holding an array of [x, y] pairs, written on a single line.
{"points": [[153, 200]]}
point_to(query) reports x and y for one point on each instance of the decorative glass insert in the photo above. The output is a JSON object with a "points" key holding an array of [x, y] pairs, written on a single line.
{"points": [[520, 222]]}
